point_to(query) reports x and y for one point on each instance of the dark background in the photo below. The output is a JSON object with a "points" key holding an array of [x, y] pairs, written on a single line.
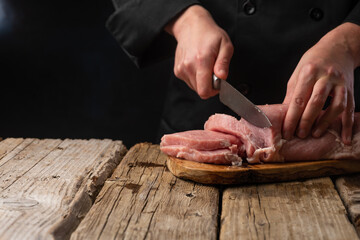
{"points": [[64, 76]]}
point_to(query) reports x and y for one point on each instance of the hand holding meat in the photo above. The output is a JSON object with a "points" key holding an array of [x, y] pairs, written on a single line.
{"points": [[327, 69], [216, 143], [203, 49]]}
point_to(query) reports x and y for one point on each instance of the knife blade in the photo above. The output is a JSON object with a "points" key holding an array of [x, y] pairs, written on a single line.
{"points": [[237, 102]]}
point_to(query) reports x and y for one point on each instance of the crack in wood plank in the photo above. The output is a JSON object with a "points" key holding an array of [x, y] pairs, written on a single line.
{"points": [[107, 217], [150, 222]]}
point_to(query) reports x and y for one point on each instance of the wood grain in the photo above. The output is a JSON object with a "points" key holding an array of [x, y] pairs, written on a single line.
{"points": [[296, 210], [349, 190], [258, 173], [49, 185], [142, 200]]}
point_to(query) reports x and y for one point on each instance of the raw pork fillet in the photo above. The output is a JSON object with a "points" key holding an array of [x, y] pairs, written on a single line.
{"points": [[202, 146], [258, 144], [267, 145]]}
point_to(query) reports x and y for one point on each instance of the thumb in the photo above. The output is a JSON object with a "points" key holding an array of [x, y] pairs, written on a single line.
{"points": [[221, 67]]}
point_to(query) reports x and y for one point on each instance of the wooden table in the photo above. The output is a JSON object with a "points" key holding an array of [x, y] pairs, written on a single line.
{"points": [[93, 189]]}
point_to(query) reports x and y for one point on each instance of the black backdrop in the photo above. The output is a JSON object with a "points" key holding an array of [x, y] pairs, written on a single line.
{"points": [[64, 76]]}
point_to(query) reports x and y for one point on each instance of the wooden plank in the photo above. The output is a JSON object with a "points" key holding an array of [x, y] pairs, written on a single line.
{"points": [[9, 145], [49, 185], [295, 210], [259, 173], [349, 190], [143, 200]]}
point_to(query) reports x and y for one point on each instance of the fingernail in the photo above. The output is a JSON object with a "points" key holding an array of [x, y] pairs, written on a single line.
{"points": [[301, 133], [317, 133], [222, 72]]}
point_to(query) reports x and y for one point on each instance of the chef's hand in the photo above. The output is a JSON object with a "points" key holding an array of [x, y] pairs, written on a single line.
{"points": [[327, 69], [203, 48]]}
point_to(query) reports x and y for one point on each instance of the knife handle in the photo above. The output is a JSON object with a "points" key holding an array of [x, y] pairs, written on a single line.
{"points": [[216, 82]]}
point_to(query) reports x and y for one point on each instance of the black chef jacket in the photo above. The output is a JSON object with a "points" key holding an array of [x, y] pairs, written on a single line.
{"points": [[269, 38]]}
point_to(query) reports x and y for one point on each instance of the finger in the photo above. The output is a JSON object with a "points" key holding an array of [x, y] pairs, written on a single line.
{"points": [[291, 87], [204, 72], [189, 72], [221, 67], [298, 102], [347, 120], [313, 108], [181, 71], [336, 107]]}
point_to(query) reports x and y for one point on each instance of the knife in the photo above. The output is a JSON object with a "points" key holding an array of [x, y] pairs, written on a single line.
{"points": [[240, 104]]}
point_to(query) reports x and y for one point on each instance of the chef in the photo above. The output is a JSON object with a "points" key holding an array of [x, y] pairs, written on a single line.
{"points": [[305, 54]]}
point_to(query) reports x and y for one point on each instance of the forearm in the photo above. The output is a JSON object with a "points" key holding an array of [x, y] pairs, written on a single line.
{"points": [[348, 35], [190, 15]]}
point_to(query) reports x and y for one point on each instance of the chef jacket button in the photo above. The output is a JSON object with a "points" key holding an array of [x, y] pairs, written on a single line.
{"points": [[316, 14], [243, 88], [249, 7]]}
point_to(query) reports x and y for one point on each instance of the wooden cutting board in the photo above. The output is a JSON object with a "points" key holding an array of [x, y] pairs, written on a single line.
{"points": [[258, 173]]}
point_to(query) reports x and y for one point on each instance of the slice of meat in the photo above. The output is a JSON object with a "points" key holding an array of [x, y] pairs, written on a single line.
{"points": [[259, 144], [217, 156], [200, 140]]}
